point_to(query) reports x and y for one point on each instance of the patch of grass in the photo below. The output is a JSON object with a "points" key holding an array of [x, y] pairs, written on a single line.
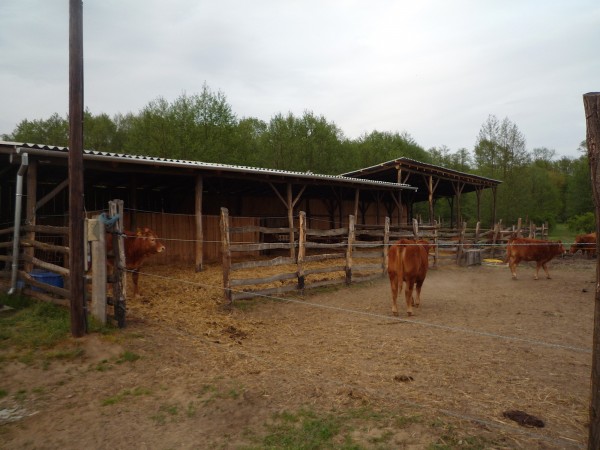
{"points": [[561, 232], [33, 325], [21, 395], [121, 396], [128, 356], [3, 393]]}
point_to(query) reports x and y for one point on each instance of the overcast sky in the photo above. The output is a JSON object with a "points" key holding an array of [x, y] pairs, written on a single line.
{"points": [[435, 69]]}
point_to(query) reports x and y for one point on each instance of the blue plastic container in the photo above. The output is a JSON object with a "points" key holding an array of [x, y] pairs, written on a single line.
{"points": [[44, 276]]}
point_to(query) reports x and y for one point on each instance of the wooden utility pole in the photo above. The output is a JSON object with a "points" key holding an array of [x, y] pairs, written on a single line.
{"points": [[591, 103], [76, 216]]}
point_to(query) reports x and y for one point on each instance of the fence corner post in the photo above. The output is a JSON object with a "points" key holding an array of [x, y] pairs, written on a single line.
{"points": [[386, 245], [351, 237], [226, 255], [301, 250]]}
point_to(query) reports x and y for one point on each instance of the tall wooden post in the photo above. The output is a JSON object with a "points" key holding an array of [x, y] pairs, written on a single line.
{"points": [[351, 237], [76, 216], [199, 245], [591, 102], [290, 206], [32, 171], [226, 253], [301, 249]]}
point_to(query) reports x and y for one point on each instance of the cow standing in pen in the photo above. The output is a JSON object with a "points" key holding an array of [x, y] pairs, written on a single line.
{"points": [[139, 245], [528, 249], [586, 243], [408, 261]]}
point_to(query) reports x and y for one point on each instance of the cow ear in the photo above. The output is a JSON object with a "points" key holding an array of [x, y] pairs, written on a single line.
{"points": [[138, 232]]}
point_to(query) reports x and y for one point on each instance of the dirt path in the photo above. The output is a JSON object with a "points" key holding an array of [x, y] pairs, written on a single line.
{"points": [[479, 345]]}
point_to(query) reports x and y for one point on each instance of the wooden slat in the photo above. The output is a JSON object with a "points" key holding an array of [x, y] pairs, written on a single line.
{"points": [[319, 245], [374, 254], [45, 265], [45, 286], [46, 298], [279, 261], [324, 257], [264, 292], [46, 229], [7, 230], [258, 247], [361, 267], [264, 280], [324, 270], [327, 233], [318, 284], [44, 246], [258, 229]]}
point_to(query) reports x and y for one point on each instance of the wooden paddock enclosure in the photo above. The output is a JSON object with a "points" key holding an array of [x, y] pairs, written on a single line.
{"points": [[256, 259]]}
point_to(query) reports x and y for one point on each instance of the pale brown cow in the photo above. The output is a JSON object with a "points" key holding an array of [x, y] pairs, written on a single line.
{"points": [[407, 262], [528, 249], [138, 246], [586, 243]]}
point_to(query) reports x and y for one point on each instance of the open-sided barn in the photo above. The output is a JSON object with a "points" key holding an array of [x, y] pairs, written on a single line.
{"points": [[183, 198]]}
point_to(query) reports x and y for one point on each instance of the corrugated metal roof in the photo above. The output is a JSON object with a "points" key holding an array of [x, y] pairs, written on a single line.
{"points": [[153, 160], [409, 161]]}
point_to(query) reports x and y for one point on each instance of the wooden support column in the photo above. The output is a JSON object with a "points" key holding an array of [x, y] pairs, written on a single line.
{"points": [[97, 236], [399, 201], [290, 203], [76, 215], [494, 189], [30, 216], [356, 198], [290, 208], [351, 238], [301, 249], [591, 102], [133, 206], [458, 188], [478, 192], [199, 243], [226, 253]]}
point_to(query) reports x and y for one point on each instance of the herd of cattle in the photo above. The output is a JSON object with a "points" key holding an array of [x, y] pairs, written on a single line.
{"points": [[408, 260]]}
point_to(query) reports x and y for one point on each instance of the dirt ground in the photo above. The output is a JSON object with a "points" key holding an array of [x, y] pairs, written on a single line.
{"points": [[208, 377]]}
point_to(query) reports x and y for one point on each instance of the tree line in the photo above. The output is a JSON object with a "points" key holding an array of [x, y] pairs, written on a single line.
{"points": [[535, 183]]}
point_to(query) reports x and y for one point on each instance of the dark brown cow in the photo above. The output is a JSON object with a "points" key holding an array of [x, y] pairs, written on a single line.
{"points": [[528, 249], [407, 262], [138, 246], [586, 243]]}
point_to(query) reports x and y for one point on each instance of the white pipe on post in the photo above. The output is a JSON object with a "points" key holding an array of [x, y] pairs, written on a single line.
{"points": [[16, 235]]}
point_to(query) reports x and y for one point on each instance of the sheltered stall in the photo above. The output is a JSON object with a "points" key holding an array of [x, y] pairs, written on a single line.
{"points": [[432, 182]]}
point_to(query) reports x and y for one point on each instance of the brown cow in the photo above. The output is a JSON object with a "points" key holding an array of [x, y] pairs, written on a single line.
{"points": [[138, 246], [407, 262], [528, 249], [586, 243]]}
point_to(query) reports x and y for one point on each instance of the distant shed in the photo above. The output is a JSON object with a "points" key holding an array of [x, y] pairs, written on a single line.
{"points": [[432, 182]]}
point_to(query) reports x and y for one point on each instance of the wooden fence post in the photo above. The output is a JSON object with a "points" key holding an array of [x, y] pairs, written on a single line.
{"points": [[351, 237], [115, 209], [97, 237], [495, 238], [591, 102], [386, 244], [415, 228], [226, 255], [461, 242], [301, 249]]}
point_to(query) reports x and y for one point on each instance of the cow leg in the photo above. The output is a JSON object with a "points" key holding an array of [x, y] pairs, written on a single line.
{"points": [[417, 301], [134, 276], [512, 264], [394, 284], [546, 270], [408, 293]]}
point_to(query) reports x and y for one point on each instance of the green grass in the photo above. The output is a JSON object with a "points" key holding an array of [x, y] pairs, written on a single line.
{"points": [[561, 232], [32, 325]]}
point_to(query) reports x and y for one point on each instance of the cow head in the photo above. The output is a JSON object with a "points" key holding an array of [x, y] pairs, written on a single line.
{"points": [[560, 250], [149, 241]]}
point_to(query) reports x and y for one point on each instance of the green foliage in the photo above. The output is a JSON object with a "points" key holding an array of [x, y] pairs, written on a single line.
{"points": [[583, 223], [203, 127]]}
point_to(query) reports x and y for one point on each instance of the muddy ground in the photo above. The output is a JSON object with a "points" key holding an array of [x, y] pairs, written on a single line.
{"points": [[189, 373]]}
